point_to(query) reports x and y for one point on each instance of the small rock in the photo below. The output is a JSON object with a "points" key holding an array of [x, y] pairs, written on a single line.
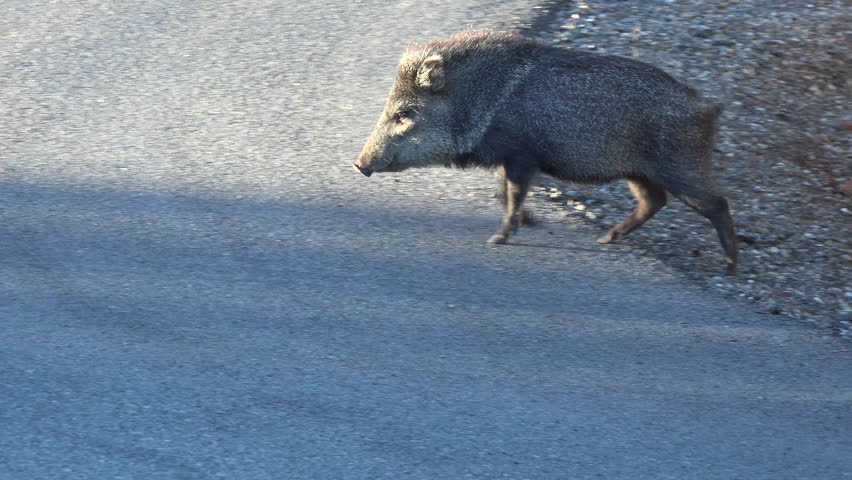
{"points": [[749, 239], [843, 317], [780, 293], [823, 323], [704, 32]]}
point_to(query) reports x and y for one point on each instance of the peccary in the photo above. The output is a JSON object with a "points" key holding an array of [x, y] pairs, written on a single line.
{"points": [[499, 100]]}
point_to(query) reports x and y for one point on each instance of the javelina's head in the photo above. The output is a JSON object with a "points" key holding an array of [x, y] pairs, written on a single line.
{"points": [[414, 129]]}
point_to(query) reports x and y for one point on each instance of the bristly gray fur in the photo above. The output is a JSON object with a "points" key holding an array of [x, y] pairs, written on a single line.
{"points": [[522, 106]]}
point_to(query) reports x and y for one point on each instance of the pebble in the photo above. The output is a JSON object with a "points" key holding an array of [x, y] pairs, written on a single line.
{"points": [[704, 32], [722, 42]]}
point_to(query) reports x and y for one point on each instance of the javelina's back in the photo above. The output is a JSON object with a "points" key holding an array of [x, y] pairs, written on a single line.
{"points": [[594, 117]]}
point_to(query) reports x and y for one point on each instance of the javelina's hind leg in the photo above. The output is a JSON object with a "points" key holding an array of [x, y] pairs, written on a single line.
{"points": [[715, 207], [528, 218], [650, 197], [517, 178]]}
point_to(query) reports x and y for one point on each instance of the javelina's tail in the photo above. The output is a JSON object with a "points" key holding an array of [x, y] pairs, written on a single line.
{"points": [[710, 119], [716, 108], [700, 134]]}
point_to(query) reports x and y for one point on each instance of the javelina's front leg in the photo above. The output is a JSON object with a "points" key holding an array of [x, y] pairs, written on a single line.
{"points": [[527, 217], [518, 175]]}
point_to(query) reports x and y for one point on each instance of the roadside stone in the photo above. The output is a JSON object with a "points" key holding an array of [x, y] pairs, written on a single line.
{"points": [[704, 32]]}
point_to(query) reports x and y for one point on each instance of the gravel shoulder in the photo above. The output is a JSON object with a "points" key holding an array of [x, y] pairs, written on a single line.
{"points": [[783, 156]]}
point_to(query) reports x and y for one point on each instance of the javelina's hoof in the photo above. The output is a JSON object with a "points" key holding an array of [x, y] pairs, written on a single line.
{"points": [[730, 270], [529, 219], [497, 239], [608, 238]]}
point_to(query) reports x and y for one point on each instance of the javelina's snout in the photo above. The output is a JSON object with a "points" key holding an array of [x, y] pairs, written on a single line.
{"points": [[367, 171], [366, 159]]}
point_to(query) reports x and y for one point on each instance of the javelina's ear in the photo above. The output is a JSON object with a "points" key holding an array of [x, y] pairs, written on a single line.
{"points": [[431, 74]]}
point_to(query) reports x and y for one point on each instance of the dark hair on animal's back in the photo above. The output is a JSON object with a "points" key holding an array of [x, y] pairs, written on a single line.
{"points": [[501, 46], [471, 42]]}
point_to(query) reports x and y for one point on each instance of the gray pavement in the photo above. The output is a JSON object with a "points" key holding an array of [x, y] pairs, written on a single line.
{"points": [[194, 284]]}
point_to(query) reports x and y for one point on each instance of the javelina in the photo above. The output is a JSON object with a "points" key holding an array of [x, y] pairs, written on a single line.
{"points": [[498, 100]]}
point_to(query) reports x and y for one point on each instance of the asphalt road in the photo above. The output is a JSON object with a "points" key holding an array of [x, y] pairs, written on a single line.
{"points": [[194, 284]]}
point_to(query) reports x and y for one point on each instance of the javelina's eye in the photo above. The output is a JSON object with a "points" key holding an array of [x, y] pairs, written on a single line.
{"points": [[401, 116]]}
